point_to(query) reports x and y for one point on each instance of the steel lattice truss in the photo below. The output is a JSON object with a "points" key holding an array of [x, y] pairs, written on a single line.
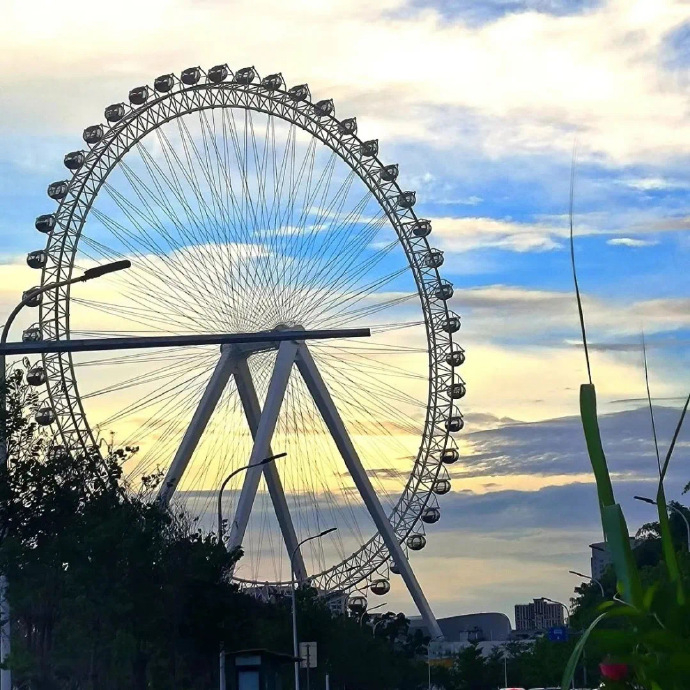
{"points": [[170, 99]]}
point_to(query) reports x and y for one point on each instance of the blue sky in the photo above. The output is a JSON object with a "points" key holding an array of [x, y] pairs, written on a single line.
{"points": [[481, 104]]}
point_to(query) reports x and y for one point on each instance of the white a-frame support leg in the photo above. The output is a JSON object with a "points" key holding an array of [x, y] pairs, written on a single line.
{"points": [[327, 408], [262, 439], [252, 411], [233, 363]]}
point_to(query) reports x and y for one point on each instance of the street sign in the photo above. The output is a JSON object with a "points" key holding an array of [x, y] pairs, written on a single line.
{"points": [[559, 633], [307, 654]]}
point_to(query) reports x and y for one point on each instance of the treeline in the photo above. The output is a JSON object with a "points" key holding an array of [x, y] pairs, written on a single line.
{"points": [[108, 591]]}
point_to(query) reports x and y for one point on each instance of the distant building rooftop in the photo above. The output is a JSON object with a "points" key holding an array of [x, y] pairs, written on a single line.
{"points": [[471, 627]]}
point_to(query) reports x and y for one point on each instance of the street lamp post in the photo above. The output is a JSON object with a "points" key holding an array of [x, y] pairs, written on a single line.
{"points": [[232, 474], [593, 579], [567, 612], [672, 508], [428, 658], [265, 461], [89, 274], [295, 644]]}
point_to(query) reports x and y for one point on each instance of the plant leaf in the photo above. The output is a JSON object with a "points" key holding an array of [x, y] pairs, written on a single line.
{"points": [[673, 440], [590, 425], [618, 542], [667, 544], [570, 667]]}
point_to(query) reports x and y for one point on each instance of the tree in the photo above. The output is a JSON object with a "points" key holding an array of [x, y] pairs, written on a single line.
{"points": [[108, 590], [469, 669]]}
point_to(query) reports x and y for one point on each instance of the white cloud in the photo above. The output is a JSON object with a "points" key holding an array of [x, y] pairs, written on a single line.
{"points": [[465, 234], [631, 242], [515, 311], [524, 82], [654, 184]]}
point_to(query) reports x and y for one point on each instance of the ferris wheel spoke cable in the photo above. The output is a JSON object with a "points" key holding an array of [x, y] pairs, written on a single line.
{"points": [[139, 315], [151, 376], [138, 185], [347, 384], [166, 423], [366, 380], [351, 271], [357, 346], [242, 160], [257, 279], [207, 168], [179, 193], [166, 430], [341, 244], [212, 455], [349, 256], [153, 274], [339, 198], [328, 450], [388, 327], [364, 429], [364, 361], [351, 297], [262, 224], [160, 394], [297, 226], [292, 284], [358, 315]]}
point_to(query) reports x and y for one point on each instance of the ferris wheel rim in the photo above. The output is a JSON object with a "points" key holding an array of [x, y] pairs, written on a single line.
{"points": [[83, 189]]}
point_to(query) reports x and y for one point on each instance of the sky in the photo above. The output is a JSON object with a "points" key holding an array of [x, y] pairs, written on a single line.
{"points": [[486, 107]]}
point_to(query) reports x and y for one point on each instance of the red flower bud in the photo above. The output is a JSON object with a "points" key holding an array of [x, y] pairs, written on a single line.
{"points": [[614, 671]]}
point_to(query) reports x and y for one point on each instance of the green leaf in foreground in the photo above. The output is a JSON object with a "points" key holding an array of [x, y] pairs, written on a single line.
{"points": [[577, 652], [590, 425]]}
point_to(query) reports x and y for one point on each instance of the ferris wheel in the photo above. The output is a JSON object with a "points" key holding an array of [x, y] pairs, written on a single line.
{"points": [[247, 206]]}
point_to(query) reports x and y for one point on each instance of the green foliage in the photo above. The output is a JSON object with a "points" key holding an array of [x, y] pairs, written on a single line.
{"points": [[534, 663], [109, 591], [648, 628]]}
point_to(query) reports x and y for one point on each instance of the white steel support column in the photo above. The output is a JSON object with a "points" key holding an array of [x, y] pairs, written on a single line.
{"points": [[331, 417], [202, 414], [252, 411], [262, 441]]}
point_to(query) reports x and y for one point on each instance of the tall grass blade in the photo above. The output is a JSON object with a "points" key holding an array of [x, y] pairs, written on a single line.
{"points": [[664, 523], [676, 433], [572, 261], [569, 671], [649, 400], [590, 426], [667, 544], [618, 543]]}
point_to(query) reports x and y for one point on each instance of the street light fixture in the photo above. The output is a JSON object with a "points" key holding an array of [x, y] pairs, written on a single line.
{"points": [[295, 644], [593, 579], [671, 508], [560, 603], [232, 474], [265, 461], [89, 274]]}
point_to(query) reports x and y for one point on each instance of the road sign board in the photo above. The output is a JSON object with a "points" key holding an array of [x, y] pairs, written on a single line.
{"points": [[307, 654], [559, 633]]}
